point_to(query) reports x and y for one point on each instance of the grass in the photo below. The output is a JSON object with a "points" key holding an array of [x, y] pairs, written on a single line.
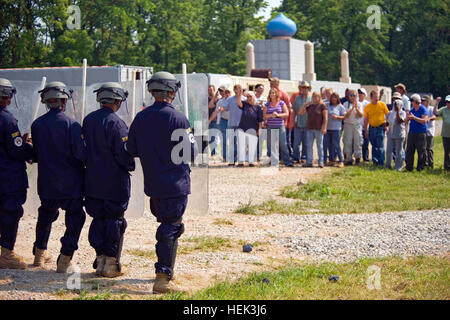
{"points": [[204, 244], [100, 295], [223, 222], [195, 244], [419, 277], [148, 254], [246, 208], [365, 189]]}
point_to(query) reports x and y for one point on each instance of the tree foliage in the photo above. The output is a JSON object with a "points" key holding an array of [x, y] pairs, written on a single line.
{"points": [[412, 45]]}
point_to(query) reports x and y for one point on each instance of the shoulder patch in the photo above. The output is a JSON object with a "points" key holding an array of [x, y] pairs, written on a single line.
{"points": [[18, 141], [125, 139], [191, 138], [15, 134], [188, 130], [82, 136]]}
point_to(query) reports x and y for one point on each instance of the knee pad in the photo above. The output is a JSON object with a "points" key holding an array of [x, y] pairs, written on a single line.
{"points": [[169, 233], [171, 210], [47, 215], [115, 228], [94, 208]]}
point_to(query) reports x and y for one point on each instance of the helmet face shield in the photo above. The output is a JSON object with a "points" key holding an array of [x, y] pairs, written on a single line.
{"points": [[55, 93], [163, 85], [7, 91], [105, 93]]}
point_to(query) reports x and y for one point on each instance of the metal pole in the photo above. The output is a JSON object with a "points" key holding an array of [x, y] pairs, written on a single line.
{"points": [[143, 79], [38, 102], [83, 101], [133, 108], [185, 92]]}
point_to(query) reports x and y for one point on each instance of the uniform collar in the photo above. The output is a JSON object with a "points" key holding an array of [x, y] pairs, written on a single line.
{"points": [[162, 104], [55, 110], [106, 109]]}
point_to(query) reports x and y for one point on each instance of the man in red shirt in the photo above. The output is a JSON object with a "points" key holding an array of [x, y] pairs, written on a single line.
{"points": [[275, 83]]}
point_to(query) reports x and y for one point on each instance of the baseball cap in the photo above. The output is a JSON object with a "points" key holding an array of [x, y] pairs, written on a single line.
{"points": [[415, 97], [222, 88], [396, 95], [362, 90], [447, 98], [425, 98]]}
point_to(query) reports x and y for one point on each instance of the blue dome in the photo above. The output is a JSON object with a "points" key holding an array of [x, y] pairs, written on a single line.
{"points": [[281, 26]]}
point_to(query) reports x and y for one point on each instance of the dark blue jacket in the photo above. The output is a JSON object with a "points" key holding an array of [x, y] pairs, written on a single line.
{"points": [[150, 139], [61, 155], [13, 154], [108, 162]]}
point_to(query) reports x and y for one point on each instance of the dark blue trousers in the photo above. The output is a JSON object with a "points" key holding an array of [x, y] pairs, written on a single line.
{"points": [[11, 211], [75, 218], [108, 225], [169, 212]]}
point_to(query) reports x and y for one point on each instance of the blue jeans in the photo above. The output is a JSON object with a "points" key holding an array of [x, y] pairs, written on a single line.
{"points": [[376, 138], [223, 130], [299, 138], [282, 146], [310, 136], [332, 144], [289, 141], [365, 147], [212, 138]]}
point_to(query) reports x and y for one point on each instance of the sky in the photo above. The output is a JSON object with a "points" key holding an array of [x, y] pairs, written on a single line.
{"points": [[272, 4]]}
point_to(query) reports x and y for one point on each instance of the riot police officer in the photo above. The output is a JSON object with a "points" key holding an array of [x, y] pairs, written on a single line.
{"points": [[14, 151], [61, 155], [166, 180], [107, 179]]}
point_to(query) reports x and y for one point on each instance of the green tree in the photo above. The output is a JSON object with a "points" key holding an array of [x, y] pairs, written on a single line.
{"points": [[412, 45]]}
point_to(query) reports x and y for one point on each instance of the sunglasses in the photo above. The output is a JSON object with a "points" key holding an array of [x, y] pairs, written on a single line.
{"points": [[352, 95]]}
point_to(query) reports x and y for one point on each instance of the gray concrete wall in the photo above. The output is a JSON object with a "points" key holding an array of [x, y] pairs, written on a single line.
{"points": [[297, 59], [286, 57]]}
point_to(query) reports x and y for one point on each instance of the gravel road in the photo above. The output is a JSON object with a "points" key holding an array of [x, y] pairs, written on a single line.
{"points": [[279, 239]]}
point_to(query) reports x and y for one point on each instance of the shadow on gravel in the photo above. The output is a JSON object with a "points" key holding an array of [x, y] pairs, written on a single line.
{"points": [[37, 280]]}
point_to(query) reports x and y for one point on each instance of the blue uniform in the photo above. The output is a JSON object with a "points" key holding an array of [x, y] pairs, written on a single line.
{"points": [[13, 177], [107, 179], [61, 156], [166, 179]]}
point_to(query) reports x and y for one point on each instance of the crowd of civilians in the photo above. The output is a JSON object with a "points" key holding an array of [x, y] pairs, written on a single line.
{"points": [[294, 123]]}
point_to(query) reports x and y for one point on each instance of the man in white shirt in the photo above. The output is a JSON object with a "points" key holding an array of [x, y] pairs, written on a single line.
{"points": [[429, 155], [352, 129], [401, 88], [362, 94]]}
